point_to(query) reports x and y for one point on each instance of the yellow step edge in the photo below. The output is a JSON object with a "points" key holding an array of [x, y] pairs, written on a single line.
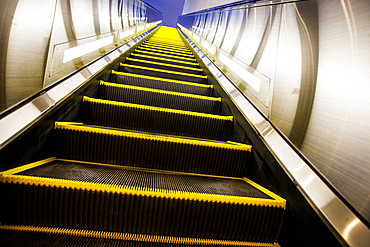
{"points": [[152, 136], [154, 39], [157, 109], [166, 46], [163, 71], [169, 36], [161, 91], [276, 201], [133, 236], [167, 39], [167, 52], [162, 79], [165, 59], [166, 55], [163, 64], [165, 49]]}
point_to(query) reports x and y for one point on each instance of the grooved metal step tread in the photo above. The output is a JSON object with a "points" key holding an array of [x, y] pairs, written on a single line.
{"points": [[166, 56], [159, 98], [164, 43], [29, 236], [163, 65], [167, 49], [123, 199], [155, 119], [178, 54], [164, 46], [161, 83], [160, 59], [100, 144], [170, 74]]}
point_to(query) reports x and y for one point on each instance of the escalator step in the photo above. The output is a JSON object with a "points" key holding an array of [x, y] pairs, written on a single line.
{"points": [[159, 98], [28, 236], [164, 73], [155, 151], [166, 49], [161, 83], [193, 60], [155, 119], [161, 65], [173, 53], [100, 197], [166, 44], [161, 60], [163, 46]]}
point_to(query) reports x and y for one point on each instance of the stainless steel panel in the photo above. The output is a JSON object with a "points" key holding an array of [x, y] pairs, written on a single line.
{"points": [[338, 134], [342, 219], [13, 124], [27, 49]]}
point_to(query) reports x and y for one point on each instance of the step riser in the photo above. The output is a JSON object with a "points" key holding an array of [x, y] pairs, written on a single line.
{"points": [[155, 121], [160, 66], [162, 74], [163, 85], [158, 60], [159, 100], [96, 210], [152, 154], [167, 56]]}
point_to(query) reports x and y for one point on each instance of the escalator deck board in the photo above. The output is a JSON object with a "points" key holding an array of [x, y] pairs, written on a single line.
{"points": [[144, 179]]}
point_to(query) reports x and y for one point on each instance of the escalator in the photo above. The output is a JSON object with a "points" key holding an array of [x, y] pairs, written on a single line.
{"points": [[152, 162]]}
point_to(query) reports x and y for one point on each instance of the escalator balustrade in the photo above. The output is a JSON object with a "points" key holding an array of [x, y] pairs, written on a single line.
{"points": [[152, 164]]}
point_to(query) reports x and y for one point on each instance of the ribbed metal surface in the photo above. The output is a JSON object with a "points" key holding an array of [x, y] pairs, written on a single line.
{"points": [[142, 178], [145, 71], [126, 117], [162, 59], [146, 153], [159, 99], [61, 237], [164, 65], [160, 84], [163, 55], [39, 205]]}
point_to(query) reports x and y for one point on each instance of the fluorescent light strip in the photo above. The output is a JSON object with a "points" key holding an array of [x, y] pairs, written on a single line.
{"points": [[127, 33], [141, 28], [81, 50], [246, 76], [209, 48], [196, 37]]}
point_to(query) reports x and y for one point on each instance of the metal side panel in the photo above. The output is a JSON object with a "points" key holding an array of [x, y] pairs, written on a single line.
{"points": [[19, 120], [348, 228]]}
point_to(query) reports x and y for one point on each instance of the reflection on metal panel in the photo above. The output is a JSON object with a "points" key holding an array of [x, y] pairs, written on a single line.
{"points": [[340, 216], [36, 35], [16, 122], [27, 49]]}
